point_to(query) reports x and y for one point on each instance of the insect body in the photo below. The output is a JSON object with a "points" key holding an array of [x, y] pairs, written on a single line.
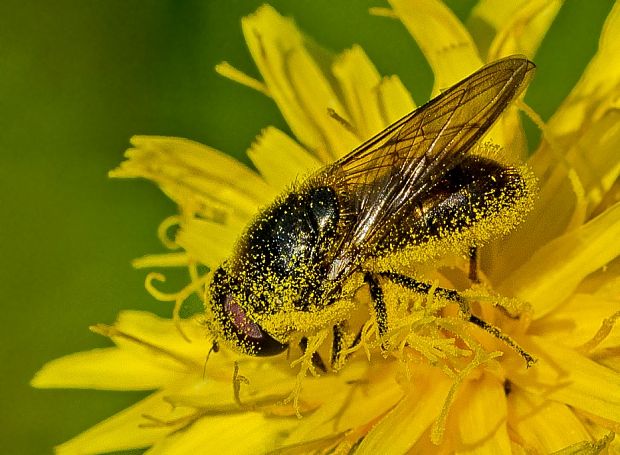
{"points": [[415, 190]]}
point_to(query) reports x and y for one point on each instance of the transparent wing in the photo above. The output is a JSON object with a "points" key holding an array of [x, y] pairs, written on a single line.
{"points": [[405, 159]]}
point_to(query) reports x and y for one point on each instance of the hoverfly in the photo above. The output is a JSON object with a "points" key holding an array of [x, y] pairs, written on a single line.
{"points": [[415, 189]]}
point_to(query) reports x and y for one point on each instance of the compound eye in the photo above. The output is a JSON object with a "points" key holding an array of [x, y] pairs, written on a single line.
{"points": [[248, 332], [237, 326]]}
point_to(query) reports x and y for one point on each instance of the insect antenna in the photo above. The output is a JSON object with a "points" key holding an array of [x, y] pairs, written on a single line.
{"points": [[215, 347], [344, 122], [473, 265], [497, 333]]}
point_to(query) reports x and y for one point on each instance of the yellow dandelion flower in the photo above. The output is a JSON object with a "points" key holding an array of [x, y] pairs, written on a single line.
{"points": [[447, 386]]}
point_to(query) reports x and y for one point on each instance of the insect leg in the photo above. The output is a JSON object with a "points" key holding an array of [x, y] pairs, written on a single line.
{"points": [[376, 295], [337, 344], [317, 361], [452, 295], [473, 265], [424, 288]]}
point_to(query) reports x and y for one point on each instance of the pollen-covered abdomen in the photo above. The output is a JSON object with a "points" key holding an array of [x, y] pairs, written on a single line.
{"points": [[474, 201]]}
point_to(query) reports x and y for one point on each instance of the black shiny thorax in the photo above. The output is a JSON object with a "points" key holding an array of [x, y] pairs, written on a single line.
{"points": [[283, 257]]}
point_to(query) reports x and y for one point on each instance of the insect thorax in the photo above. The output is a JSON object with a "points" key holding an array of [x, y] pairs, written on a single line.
{"points": [[281, 262]]}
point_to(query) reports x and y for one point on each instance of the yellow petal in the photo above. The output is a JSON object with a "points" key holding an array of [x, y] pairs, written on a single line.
{"points": [[197, 177], [604, 283], [577, 321], [443, 39], [488, 18], [100, 369], [159, 334], [359, 80], [359, 394], [122, 431], [407, 422], [395, 100], [553, 273], [207, 241], [594, 91], [296, 82], [563, 375], [280, 159], [162, 260], [578, 182], [227, 70], [585, 130], [578, 163], [509, 135], [516, 27], [151, 350], [481, 417], [591, 448], [244, 433], [543, 426], [452, 55]]}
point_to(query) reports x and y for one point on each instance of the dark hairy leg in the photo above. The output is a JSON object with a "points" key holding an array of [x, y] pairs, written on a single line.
{"points": [[448, 294]]}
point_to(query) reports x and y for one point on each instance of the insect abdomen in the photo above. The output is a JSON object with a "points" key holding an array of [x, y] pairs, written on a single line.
{"points": [[474, 201]]}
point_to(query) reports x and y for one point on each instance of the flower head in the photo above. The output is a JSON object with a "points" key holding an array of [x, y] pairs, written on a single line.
{"points": [[437, 383]]}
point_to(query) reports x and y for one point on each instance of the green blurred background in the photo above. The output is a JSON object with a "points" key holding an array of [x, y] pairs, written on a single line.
{"points": [[77, 79]]}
